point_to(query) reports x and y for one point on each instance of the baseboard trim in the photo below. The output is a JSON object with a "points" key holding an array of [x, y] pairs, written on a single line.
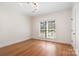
{"points": [[53, 41], [76, 52], [15, 42]]}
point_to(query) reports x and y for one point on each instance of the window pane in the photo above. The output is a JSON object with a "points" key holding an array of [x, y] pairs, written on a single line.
{"points": [[51, 29], [51, 24], [43, 25], [51, 34], [42, 31]]}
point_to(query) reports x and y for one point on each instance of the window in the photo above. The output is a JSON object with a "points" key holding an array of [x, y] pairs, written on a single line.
{"points": [[47, 29]]}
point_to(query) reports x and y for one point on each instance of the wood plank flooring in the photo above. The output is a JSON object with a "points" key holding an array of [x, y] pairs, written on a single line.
{"points": [[35, 47]]}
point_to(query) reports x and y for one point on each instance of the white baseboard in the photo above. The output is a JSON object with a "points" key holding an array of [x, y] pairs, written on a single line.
{"points": [[13, 42], [54, 41], [76, 51]]}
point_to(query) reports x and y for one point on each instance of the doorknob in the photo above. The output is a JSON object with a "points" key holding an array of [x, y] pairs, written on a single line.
{"points": [[74, 33]]}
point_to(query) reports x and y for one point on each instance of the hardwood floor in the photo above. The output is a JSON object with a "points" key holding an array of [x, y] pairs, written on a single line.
{"points": [[35, 47]]}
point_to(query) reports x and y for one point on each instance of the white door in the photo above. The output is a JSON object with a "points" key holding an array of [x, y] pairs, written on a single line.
{"points": [[47, 29], [73, 33], [74, 27]]}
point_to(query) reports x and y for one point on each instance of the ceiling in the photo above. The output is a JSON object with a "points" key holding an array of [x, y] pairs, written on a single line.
{"points": [[44, 7]]}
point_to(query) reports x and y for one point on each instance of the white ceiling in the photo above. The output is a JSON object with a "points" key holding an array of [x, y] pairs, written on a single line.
{"points": [[44, 7]]}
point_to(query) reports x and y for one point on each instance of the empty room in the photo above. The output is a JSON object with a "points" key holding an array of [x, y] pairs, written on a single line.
{"points": [[39, 29]]}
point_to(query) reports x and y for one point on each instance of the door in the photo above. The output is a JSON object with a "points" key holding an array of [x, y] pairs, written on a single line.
{"points": [[47, 29]]}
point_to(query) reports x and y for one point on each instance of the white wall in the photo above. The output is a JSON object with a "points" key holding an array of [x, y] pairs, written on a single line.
{"points": [[63, 25], [14, 27]]}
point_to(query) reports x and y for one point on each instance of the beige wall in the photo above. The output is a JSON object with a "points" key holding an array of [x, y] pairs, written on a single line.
{"points": [[14, 27], [63, 25]]}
